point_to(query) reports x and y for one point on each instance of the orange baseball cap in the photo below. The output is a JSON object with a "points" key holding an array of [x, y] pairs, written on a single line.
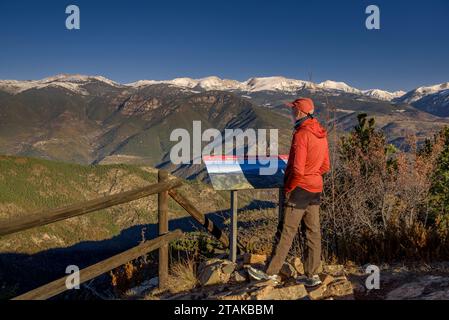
{"points": [[303, 104]]}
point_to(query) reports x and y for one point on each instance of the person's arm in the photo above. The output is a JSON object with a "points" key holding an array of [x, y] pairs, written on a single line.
{"points": [[298, 161], [326, 166]]}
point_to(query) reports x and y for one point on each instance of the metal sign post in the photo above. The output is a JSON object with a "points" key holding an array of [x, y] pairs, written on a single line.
{"points": [[232, 173], [281, 203], [233, 236]]}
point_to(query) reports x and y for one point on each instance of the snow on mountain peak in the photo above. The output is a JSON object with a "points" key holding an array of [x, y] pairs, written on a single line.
{"points": [[383, 95], [142, 83], [215, 83], [71, 82], [274, 84], [77, 78], [340, 86], [208, 83], [432, 89], [421, 92], [76, 82]]}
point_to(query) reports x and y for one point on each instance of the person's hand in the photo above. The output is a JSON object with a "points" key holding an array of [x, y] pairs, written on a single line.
{"points": [[286, 199]]}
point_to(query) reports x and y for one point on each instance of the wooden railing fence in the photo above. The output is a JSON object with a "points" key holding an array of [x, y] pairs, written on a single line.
{"points": [[165, 188]]}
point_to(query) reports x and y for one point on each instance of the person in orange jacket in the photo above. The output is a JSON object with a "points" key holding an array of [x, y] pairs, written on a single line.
{"points": [[303, 184]]}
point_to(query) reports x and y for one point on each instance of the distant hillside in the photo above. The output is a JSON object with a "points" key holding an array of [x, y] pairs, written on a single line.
{"points": [[28, 185]]}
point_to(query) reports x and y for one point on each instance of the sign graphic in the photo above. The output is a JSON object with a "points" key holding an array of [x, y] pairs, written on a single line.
{"points": [[242, 173]]}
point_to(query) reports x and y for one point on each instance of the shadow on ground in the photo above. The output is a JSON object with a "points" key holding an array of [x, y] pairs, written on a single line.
{"points": [[20, 273]]}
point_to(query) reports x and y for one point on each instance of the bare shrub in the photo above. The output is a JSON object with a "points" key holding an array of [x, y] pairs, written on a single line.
{"points": [[123, 278], [182, 276], [375, 204]]}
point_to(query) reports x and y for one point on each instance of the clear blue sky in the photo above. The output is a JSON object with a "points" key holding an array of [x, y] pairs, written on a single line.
{"points": [[132, 40]]}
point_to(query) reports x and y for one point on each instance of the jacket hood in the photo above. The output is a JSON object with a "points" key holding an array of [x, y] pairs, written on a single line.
{"points": [[313, 126]]}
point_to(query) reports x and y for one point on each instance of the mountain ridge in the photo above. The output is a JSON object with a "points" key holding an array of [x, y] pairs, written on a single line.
{"points": [[255, 84], [90, 119]]}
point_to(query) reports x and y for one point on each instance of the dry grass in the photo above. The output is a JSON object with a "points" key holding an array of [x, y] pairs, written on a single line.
{"points": [[182, 276], [257, 229]]}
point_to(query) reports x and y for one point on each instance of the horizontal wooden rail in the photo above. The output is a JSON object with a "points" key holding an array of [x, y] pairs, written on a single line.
{"points": [[58, 286], [202, 219], [53, 215]]}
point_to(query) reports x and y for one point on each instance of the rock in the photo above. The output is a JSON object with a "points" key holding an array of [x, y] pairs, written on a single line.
{"points": [[241, 294], [338, 278], [143, 287], [235, 297], [407, 291], [340, 289], [438, 295], [297, 264], [317, 293], [335, 270], [211, 276], [250, 258], [264, 283], [228, 268], [215, 271], [238, 276], [209, 262], [428, 287], [288, 271], [154, 281], [359, 288], [294, 292], [263, 293], [327, 280]]}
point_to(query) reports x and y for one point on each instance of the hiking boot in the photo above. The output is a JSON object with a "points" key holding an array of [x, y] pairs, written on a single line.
{"points": [[260, 275], [312, 281]]}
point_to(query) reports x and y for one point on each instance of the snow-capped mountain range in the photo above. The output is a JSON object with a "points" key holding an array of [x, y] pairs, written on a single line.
{"points": [[270, 84], [76, 83], [90, 119], [73, 83]]}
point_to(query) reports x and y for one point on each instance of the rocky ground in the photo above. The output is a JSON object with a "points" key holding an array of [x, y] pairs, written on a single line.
{"points": [[219, 279]]}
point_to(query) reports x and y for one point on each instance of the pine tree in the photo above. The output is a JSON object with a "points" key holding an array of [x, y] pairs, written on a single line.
{"points": [[439, 192], [361, 142]]}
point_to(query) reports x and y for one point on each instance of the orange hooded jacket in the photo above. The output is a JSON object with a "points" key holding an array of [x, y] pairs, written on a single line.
{"points": [[308, 160]]}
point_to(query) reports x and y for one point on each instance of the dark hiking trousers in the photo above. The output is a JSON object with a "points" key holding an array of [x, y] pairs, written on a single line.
{"points": [[302, 206]]}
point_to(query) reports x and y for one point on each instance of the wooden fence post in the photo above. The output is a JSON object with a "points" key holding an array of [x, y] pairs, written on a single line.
{"points": [[163, 229]]}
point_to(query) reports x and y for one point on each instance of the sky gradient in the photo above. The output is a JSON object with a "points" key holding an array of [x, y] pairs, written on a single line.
{"points": [[133, 40]]}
